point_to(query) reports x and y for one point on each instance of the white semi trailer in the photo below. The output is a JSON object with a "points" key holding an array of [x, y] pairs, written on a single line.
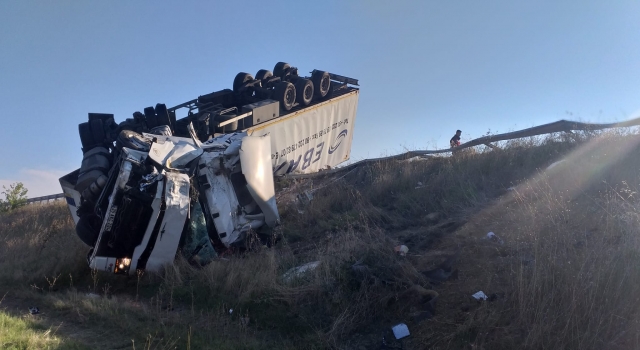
{"points": [[155, 184]]}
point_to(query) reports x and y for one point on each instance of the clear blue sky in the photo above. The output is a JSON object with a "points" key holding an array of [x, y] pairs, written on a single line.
{"points": [[426, 68]]}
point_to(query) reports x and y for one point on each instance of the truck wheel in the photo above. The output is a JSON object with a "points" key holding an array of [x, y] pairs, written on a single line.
{"points": [[240, 79], [97, 131], [162, 115], [279, 69], [95, 163], [263, 75], [86, 137], [92, 193], [322, 83], [304, 91], [285, 92], [150, 116]]}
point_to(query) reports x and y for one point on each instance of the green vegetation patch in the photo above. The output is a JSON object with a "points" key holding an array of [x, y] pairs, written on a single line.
{"points": [[19, 333]]}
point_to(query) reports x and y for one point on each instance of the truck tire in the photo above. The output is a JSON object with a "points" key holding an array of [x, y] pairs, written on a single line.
{"points": [[86, 137], [162, 115], [322, 83], [304, 91], [88, 230], [98, 158], [97, 131], [92, 193], [285, 93], [240, 79], [263, 75], [150, 117], [280, 68], [95, 163]]}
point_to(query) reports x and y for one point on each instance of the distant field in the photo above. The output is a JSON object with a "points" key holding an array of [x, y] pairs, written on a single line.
{"points": [[563, 272]]}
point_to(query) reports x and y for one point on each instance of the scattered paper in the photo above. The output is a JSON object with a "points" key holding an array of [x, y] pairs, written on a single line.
{"points": [[480, 296], [400, 331]]}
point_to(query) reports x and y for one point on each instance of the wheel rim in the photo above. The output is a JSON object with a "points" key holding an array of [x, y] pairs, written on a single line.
{"points": [[307, 92], [289, 96], [325, 83]]}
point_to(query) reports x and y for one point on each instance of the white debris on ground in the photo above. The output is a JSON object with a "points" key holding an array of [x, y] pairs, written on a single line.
{"points": [[401, 250], [494, 238], [400, 331], [480, 296], [299, 271]]}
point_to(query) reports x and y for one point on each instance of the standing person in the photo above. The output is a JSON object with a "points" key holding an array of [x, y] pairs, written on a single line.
{"points": [[455, 140]]}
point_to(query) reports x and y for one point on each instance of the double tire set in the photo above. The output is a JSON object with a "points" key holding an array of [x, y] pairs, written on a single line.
{"points": [[284, 85]]}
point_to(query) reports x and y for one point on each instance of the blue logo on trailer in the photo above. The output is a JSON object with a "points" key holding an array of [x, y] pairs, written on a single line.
{"points": [[338, 141]]}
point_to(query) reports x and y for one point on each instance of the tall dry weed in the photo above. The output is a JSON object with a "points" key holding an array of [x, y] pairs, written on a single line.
{"points": [[38, 241], [572, 253]]}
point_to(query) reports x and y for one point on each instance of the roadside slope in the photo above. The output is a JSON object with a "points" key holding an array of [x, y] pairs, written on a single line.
{"points": [[563, 273]]}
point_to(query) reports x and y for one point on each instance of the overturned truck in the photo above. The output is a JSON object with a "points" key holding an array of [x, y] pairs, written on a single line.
{"points": [[198, 179]]}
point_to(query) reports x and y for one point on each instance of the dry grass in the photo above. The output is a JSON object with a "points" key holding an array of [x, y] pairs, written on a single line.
{"points": [[39, 241], [566, 277]]}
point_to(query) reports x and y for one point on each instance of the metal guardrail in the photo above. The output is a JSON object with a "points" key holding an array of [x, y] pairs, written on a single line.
{"points": [[559, 126], [51, 197]]}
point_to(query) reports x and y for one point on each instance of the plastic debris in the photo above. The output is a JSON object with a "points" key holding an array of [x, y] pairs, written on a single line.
{"points": [[230, 311], [493, 237], [34, 310], [299, 271], [433, 217], [303, 200], [402, 250], [511, 189], [93, 295], [419, 185], [400, 331], [480, 296]]}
